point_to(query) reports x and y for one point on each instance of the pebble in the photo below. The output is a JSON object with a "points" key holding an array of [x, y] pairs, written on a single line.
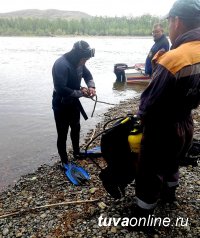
{"points": [[33, 178], [114, 230], [102, 205], [93, 190], [128, 236], [198, 182], [50, 224], [5, 231], [69, 233], [155, 236], [19, 234], [43, 216]]}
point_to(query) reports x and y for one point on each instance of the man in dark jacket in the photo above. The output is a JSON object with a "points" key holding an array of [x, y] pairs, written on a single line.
{"points": [[161, 42], [68, 70], [165, 109]]}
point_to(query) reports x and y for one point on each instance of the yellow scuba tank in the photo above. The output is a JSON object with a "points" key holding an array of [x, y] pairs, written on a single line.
{"points": [[134, 140]]}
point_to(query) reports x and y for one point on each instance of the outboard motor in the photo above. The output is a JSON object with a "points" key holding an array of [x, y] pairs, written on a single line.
{"points": [[119, 72]]}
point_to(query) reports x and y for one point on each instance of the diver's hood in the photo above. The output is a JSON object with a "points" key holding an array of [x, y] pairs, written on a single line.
{"points": [[83, 49], [80, 50]]}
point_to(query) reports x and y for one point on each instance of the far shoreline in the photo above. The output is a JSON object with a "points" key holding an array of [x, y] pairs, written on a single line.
{"points": [[75, 36]]}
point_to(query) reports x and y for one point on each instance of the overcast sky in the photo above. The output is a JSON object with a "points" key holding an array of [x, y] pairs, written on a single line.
{"points": [[93, 7]]}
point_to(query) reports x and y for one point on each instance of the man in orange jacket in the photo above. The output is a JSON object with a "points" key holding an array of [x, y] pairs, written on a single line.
{"points": [[165, 110]]}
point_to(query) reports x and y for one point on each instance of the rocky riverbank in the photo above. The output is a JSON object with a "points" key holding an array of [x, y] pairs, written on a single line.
{"points": [[37, 205]]}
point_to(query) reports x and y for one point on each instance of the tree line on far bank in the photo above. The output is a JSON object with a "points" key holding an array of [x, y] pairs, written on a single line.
{"points": [[95, 26]]}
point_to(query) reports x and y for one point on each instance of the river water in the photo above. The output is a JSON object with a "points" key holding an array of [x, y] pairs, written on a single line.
{"points": [[27, 129]]}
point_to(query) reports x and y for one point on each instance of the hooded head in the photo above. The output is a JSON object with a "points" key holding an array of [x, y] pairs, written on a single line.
{"points": [[83, 50], [80, 51]]}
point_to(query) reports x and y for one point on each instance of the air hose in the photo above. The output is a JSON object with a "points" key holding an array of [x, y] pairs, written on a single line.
{"points": [[95, 100], [104, 130]]}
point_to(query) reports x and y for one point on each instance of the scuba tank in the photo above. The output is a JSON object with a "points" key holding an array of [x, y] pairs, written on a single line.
{"points": [[117, 153], [116, 150], [134, 140]]}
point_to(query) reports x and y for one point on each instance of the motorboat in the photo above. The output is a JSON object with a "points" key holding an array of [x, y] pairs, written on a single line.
{"points": [[133, 74]]}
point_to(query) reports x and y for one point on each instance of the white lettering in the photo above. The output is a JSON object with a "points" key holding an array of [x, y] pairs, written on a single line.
{"points": [[140, 220], [166, 221], [159, 220], [135, 219], [180, 221], [125, 221], [116, 221], [100, 220], [151, 220]]}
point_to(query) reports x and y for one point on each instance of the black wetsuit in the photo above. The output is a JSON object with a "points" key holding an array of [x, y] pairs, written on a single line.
{"points": [[66, 105]]}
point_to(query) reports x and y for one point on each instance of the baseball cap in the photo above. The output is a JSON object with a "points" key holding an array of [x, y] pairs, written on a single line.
{"points": [[185, 9]]}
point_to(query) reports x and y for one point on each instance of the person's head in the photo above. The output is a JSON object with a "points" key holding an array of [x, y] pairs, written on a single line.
{"points": [[82, 51], [157, 31], [183, 16]]}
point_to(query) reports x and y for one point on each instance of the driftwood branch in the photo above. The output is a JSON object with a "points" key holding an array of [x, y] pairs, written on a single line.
{"points": [[46, 206], [93, 133], [91, 137]]}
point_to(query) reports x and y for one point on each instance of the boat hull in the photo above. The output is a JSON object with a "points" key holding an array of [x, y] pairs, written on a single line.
{"points": [[141, 79], [136, 77]]}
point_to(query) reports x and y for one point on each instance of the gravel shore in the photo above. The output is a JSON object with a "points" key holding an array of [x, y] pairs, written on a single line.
{"points": [[23, 212]]}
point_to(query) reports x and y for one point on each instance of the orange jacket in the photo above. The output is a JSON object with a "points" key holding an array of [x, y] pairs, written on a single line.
{"points": [[175, 87]]}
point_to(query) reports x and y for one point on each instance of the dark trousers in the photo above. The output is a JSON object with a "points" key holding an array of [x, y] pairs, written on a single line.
{"points": [[65, 118], [161, 150]]}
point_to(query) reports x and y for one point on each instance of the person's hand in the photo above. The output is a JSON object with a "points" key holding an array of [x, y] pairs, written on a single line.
{"points": [[161, 52], [88, 92], [84, 91], [157, 56], [139, 66], [91, 92]]}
